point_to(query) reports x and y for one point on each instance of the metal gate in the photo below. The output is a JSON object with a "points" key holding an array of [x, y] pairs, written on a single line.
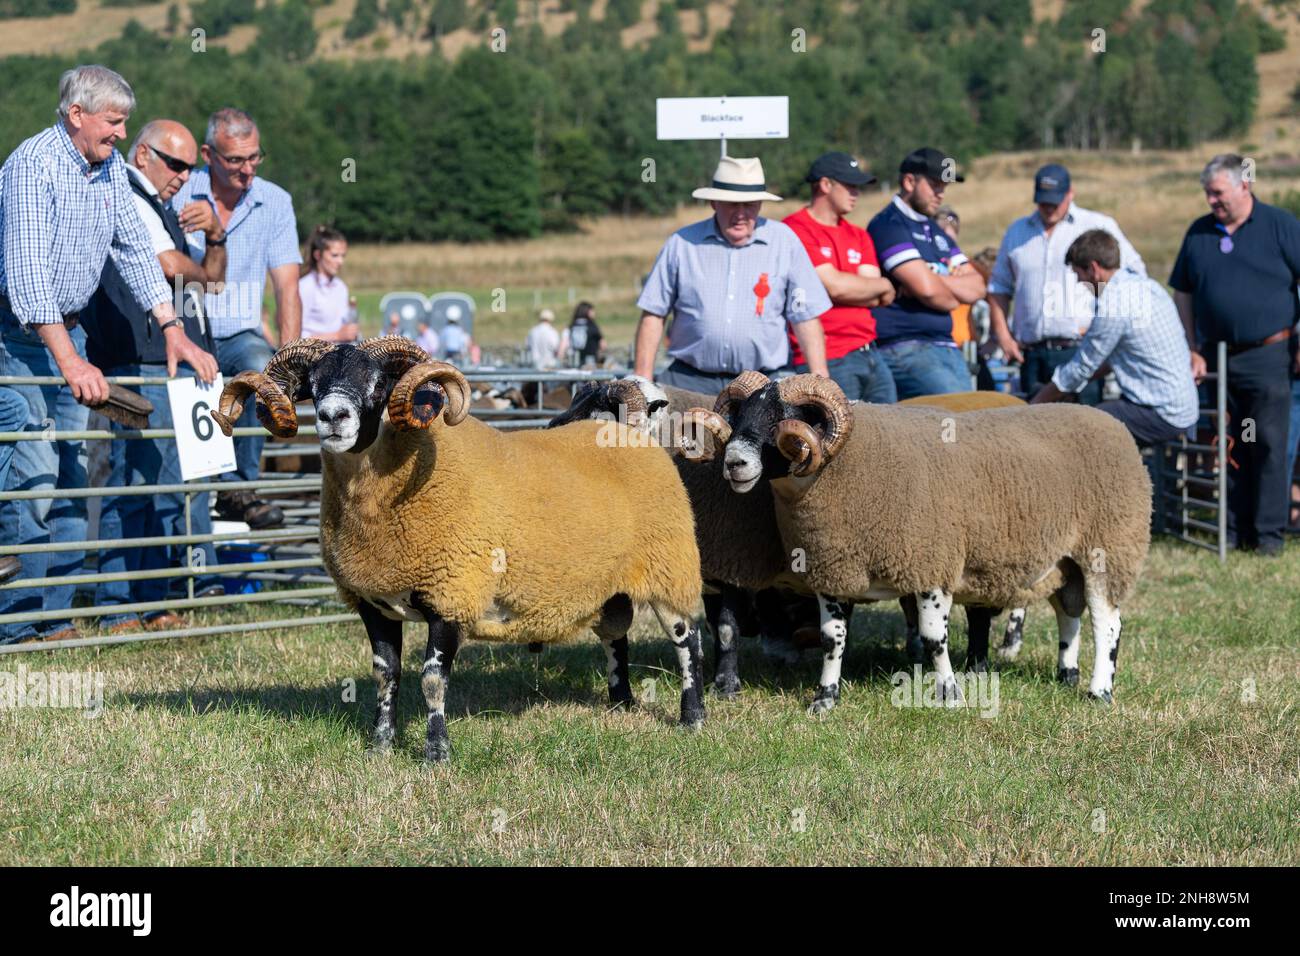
{"points": [[280, 566]]}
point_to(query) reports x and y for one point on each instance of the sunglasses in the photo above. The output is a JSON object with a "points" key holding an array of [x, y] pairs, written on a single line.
{"points": [[171, 162]]}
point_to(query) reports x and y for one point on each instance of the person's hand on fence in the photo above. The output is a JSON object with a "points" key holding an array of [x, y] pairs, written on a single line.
{"points": [[181, 349], [1198, 367], [89, 387]]}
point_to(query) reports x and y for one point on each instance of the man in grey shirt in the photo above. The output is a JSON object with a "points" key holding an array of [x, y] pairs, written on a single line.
{"points": [[732, 282]]}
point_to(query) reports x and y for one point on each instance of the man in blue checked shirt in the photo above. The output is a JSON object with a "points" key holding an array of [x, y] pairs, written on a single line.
{"points": [[65, 208], [732, 282], [261, 241], [1136, 329]]}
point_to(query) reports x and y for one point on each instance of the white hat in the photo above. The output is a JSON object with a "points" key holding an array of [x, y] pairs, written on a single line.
{"points": [[737, 180]]}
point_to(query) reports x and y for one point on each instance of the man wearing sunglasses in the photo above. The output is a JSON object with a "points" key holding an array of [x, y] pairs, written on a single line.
{"points": [[119, 340], [65, 209], [262, 241]]}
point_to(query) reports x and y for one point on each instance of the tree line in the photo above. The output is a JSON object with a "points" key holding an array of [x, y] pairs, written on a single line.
{"points": [[510, 142]]}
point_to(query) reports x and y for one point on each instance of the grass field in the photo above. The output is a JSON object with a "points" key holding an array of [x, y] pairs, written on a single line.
{"points": [[244, 749]]}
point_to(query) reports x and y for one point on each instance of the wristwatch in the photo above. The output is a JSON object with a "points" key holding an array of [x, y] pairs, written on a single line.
{"points": [[167, 325], [217, 242]]}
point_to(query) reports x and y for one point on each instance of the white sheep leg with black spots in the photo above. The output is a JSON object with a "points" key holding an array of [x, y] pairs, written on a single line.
{"points": [[1013, 637], [1105, 632], [685, 635], [1067, 661], [834, 634], [933, 608]]}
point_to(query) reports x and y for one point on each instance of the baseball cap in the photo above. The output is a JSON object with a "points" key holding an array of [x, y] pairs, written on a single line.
{"points": [[931, 163], [840, 167], [1051, 183]]}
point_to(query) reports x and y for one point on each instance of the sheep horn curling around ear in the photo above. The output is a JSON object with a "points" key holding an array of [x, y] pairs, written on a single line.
{"points": [[626, 392], [291, 363], [278, 415], [741, 387], [404, 414], [711, 422], [830, 399], [798, 442]]}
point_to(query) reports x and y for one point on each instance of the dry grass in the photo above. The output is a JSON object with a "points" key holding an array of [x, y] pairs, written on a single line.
{"points": [[249, 749]]}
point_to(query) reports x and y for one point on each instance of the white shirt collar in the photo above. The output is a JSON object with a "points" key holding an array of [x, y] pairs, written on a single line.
{"points": [[908, 211], [142, 179]]}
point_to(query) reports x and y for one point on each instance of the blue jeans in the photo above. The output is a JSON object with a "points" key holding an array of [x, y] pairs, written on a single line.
{"points": [[13, 417], [924, 368], [42, 466], [864, 376], [246, 351], [148, 461], [1039, 365]]}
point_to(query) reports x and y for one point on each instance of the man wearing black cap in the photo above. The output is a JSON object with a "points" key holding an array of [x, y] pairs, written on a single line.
{"points": [[845, 259], [932, 276], [1052, 310]]}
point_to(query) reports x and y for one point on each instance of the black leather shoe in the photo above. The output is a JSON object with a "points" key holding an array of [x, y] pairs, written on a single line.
{"points": [[253, 511]]}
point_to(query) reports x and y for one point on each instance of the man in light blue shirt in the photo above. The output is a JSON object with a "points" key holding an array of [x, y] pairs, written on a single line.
{"points": [[732, 283], [262, 241], [1137, 330], [65, 208], [1050, 314]]}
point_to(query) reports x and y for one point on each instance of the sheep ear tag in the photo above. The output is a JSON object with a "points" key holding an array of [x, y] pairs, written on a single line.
{"points": [[427, 403]]}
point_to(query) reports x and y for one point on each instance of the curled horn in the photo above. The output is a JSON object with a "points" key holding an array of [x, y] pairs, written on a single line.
{"points": [[290, 364], [626, 392], [396, 354], [800, 443], [406, 415], [711, 422], [827, 396], [741, 387], [277, 415]]}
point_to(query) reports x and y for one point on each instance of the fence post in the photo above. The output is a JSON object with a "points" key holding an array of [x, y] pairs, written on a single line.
{"points": [[1221, 411]]}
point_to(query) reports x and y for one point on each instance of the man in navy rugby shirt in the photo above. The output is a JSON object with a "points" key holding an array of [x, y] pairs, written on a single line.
{"points": [[933, 277]]}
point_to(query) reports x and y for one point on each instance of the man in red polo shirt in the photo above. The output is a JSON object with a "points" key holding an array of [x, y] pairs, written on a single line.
{"points": [[845, 259]]}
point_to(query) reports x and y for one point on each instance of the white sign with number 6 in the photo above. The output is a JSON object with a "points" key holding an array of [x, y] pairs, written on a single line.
{"points": [[203, 450]]}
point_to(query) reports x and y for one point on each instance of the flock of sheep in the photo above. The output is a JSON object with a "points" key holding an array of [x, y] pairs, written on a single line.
{"points": [[773, 499]]}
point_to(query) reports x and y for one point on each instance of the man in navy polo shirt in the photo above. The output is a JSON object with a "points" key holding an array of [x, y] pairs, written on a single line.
{"points": [[933, 277], [1235, 282]]}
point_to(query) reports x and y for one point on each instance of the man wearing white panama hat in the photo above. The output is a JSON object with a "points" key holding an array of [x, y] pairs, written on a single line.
{"points": [[732, 281]]}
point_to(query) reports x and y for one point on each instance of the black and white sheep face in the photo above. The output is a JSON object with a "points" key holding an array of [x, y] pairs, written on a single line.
{"points": [[597, 400], [751, 451], [350, 391]]}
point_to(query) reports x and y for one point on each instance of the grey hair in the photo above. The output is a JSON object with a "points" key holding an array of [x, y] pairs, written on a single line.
{"points": [[146, 135], [1229, 163], [235, 123], [95, 89]]}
